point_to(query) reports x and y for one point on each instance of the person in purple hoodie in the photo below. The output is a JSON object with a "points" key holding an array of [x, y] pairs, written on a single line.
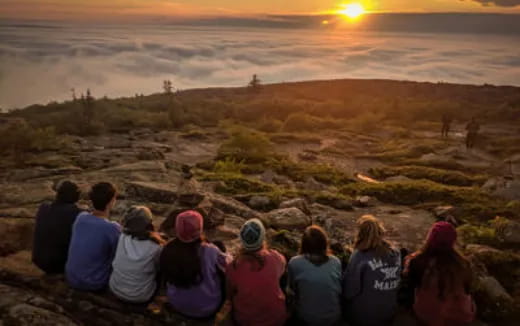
{"points": [[193, 269]]}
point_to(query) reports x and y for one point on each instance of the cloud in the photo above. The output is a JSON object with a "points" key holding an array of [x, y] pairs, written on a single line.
{"points": [[38, 65], [499, 3]]}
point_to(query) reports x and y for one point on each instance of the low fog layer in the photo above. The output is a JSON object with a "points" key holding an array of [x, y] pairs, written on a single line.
{"points": [[42, 63]]}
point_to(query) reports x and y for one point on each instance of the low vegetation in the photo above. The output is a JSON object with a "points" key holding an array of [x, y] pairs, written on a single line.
{"points": [[454, 178]]}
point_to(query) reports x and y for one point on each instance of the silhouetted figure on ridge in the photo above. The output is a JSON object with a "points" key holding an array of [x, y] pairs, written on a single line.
{"points": [[446, 124], [472, 129]]}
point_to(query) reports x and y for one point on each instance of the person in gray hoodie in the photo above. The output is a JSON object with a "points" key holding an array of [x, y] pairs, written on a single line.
{"points": [[134, 277], [372, 277]]}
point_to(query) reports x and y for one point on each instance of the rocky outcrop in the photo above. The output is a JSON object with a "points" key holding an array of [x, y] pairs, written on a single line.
{"points": [[151, 191], [16, 235], [299, 203], [287, 218]]}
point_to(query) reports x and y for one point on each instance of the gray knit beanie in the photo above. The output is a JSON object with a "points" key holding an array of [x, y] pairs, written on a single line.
{"points": [[252, 235], [137, 220]]}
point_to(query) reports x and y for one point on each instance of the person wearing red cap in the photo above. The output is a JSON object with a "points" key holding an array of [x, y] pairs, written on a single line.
{"points": [[441, 278], [193, 269]]}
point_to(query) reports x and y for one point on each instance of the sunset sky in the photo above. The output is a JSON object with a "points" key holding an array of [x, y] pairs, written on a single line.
{"points": [[135, 9]]}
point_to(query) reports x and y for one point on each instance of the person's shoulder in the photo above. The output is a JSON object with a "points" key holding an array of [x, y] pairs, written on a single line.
{"points": [[334, 260], [274, 254], [296, 260]]}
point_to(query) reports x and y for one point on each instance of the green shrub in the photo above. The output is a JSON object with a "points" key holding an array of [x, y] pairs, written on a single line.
{"points": [[454, 178], [303, 122], [270, 125], [247, 147], [366, 122], [20, 139], [228, 165], [474, 234], [236, 184], [472, 203]]}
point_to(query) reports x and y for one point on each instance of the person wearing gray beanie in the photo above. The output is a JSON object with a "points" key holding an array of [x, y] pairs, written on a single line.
{"points": [[252, 235], [136, 263], [256, 273]]}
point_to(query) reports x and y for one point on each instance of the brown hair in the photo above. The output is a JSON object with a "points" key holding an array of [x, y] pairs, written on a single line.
{"points": [[445, 265], [315, 245], [370, 236]]}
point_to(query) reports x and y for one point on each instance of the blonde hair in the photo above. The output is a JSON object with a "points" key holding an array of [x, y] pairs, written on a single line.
{"points": [[370, 235]]}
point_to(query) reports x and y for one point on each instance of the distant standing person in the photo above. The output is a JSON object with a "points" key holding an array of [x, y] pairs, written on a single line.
{"points": [[315, 281], [53, 229], [372, 277], [472, 129], [135, 272], [446, 124], [94, 242], [441, 278]]}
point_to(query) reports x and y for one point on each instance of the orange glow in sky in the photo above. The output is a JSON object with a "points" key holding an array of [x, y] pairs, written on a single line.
{"points": [[103, 9], [352, 10]]}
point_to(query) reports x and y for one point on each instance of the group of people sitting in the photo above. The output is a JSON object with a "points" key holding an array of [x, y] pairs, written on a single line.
{"points": [[256, 285]]}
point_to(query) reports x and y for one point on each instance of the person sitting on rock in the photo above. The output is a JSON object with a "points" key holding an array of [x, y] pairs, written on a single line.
{"points": [[136, 264], [441, 278], [315, 281], [94, 242], [193, 269], [371, 280], [53, 229], [253, 280]]}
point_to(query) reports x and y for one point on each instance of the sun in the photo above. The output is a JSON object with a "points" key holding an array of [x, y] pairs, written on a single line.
{"points": [[352, 10]]}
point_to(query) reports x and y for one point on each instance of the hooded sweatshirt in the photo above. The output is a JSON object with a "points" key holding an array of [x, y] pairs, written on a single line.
{"points": [[370, 287], [135, 269]]}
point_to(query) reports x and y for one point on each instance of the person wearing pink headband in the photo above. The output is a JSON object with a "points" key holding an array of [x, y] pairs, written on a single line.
{"points": [[440, 277]]}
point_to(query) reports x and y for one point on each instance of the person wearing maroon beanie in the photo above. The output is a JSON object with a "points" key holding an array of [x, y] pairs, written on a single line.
{"points": [[192, 268], [441, 278]]}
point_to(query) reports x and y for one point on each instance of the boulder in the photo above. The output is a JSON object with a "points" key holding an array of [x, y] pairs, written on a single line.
{"points": [[22, 307], [152, 191], [17, 195], [259, 202], [493, 289], [287, 218], [150, 155], [268, 176], [508, 231], [17, 234], [18, 212], [365, 201], [142, 166], [232, 206], [299, 203], [213, 216], [313, 185]]}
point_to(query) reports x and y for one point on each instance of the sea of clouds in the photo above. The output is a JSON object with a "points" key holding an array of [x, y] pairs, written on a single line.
{"points": [[39, 64]]}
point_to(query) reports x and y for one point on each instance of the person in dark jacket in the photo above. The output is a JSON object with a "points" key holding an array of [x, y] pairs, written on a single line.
{"points": [[372, 277], [54, 227]]}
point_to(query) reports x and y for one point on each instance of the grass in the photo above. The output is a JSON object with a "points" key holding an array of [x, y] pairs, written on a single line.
{"points": [[236, 183], [473, 204], [454, 178]]}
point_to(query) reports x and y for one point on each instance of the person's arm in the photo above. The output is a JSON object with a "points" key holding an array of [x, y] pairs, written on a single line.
{"points": [[353, 279]]}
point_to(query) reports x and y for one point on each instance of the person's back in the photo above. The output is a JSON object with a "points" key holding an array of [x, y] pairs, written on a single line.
{"points": [[93, 243], [441, 278], [258, 298], [52, 233], [136, 263], [53, 228], [317, 289], [372, 277], [370, 286], [455, 307], [92, 250]]}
